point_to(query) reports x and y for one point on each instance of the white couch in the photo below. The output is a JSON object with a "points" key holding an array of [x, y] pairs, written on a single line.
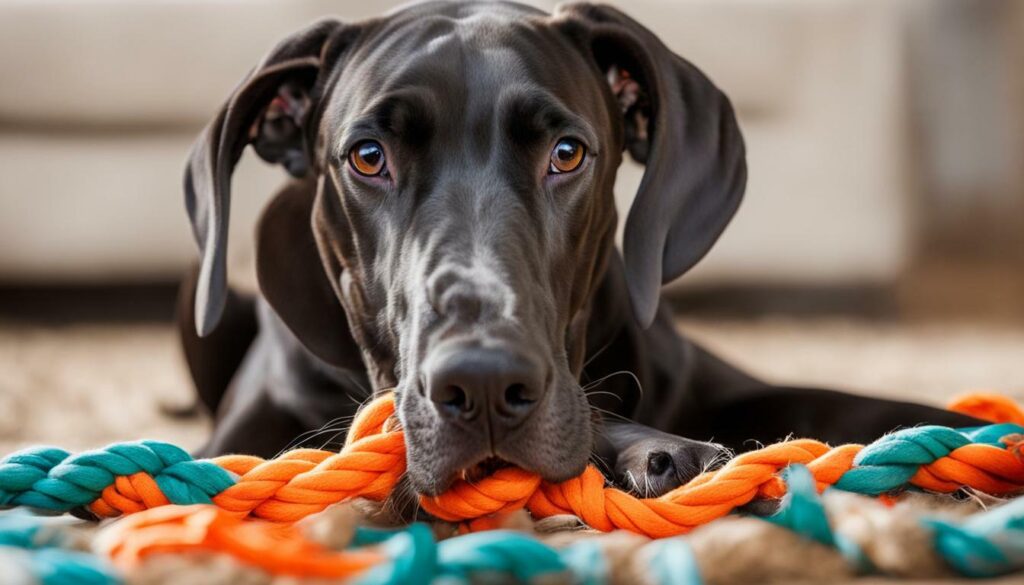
{"points": [[102, 98]]}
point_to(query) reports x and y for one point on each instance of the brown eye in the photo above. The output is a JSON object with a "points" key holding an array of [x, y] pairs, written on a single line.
{"points": [[567, 156], [367, 158]]}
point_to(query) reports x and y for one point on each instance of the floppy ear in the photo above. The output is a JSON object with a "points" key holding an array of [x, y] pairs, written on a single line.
{"points": [[292, 278], [273, 108], [684, 130]]}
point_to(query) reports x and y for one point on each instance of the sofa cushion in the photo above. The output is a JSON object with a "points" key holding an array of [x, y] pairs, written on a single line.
{"points": [[171, 62], [148, 62]]}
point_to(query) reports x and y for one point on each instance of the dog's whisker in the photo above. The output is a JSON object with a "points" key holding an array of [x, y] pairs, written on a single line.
{"points": [[403, 503], [359, 401], [601, 465], [634, 485], [639, 386], [329, 426], [602, 393], [596, 354], [605, 378], [337, 424], [310, 438], [610, 413], [334, 439]]}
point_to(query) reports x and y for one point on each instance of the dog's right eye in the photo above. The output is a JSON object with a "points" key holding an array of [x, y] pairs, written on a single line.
{"points": [[566, 156], [367, 158]]}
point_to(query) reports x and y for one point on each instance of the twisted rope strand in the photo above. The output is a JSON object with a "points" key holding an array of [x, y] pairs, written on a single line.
{"points": [[33, 549], [128, 477]]}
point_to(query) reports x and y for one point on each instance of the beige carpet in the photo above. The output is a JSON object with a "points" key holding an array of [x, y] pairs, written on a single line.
{"points": [[85, 385]]}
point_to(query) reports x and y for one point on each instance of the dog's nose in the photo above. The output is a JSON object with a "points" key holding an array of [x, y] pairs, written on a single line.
{"points": [[481, 386]]}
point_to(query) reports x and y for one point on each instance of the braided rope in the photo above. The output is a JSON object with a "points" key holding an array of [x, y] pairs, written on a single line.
{"points": [[129, 477], [411, 555], [989, 543], [34, 551]]}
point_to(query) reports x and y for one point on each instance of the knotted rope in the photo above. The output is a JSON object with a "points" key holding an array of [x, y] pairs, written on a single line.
{"points": [[128, 477]]}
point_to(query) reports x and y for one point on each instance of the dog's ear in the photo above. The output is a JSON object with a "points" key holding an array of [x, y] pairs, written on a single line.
{"points": [[272, 109], [292, 278], [683, 129]]}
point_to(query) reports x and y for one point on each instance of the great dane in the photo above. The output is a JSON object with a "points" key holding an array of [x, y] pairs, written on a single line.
{"points": [[448, 235]]}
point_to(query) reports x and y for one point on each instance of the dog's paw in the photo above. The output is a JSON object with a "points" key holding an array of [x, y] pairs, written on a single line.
{"points": [[653, 466]]}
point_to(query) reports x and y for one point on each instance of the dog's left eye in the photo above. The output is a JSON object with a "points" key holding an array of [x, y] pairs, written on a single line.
{"points": [[367, 158], [566, 156]]}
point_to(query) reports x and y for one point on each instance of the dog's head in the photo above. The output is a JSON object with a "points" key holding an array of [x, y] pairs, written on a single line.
{"points": [[463, 156]]}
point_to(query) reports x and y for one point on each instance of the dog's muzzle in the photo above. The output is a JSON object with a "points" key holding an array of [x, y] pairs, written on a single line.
{"points": [[488, 388]]}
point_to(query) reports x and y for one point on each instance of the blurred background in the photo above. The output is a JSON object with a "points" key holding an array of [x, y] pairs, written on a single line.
{"points": [[880, 247]]}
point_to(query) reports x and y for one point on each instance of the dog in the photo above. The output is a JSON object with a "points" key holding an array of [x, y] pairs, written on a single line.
{"points": [[448, 235]]}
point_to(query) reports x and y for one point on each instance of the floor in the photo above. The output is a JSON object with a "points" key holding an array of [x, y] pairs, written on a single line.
{"points": [[84, 385]]}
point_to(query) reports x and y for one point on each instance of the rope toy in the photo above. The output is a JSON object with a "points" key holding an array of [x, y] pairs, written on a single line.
{"points": [[34, 550], [986, 544], [126, 478], [232, 498], [380, 557]]}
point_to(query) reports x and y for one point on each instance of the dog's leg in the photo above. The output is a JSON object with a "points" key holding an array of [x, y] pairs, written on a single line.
{"points": [[249, 420], [648, 463], [213, 360], [253, 426], [284, 397], [773, 413], [740, 411]]}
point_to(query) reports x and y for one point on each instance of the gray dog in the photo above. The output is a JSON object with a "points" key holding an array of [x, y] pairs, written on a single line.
{"points": [[448, 235]]}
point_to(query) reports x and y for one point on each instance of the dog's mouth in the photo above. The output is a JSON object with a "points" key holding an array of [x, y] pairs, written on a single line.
{"points": [[484, 468]]}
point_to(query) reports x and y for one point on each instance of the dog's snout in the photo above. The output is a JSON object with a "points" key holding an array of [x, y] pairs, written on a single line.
{"points": [[468, 294], [491, 389]]}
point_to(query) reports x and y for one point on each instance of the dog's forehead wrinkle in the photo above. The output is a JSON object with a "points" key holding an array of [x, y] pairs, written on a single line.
{"points": [[465, 63]]}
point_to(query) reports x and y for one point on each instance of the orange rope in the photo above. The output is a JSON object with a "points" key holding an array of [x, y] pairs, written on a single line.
{"points": [[275, 548], [372, 462], [990, 407]]}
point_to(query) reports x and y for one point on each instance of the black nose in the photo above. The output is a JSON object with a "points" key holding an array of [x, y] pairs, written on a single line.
{"points": [[493, 389]]}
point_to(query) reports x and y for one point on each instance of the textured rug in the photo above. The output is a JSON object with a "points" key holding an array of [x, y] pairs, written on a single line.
{"points": [[83, 386]]}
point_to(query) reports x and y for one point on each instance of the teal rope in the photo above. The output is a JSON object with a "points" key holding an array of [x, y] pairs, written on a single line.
{"points": [[890, 462], [416, 558], [51, 479], [673, 563], [987, 544], [48, 478], [37, 548], [586, 561], [803, 512]]}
